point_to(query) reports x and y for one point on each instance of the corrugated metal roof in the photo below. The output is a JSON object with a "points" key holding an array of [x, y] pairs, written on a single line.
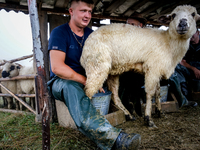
{"points": [[116, 10]]}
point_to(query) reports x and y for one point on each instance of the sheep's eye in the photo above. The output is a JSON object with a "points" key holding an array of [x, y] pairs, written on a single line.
{"points": [[193, 14], [173, 16], [12, 68]]}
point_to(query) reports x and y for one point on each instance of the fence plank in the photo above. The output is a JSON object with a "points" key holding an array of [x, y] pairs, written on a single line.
{"points": [[18, 95], [18, 59], [20, 100], [22, 77]]}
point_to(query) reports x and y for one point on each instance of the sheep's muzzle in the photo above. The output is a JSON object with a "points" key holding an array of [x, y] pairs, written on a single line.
{"points": [[182, 26], [5, 74]]}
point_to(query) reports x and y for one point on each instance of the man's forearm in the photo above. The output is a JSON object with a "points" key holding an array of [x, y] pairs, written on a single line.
{"points": [[66, 72]]}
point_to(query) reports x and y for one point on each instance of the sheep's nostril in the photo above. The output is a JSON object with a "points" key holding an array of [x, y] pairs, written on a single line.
{"points": [[5, 74], [183, 23]]}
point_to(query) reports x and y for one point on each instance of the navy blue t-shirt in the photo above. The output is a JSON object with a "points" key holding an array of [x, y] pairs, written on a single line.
{"points": [[193, 53], [62, 39]]}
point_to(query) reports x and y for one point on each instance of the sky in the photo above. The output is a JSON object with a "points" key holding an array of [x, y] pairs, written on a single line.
{"points": [[15, 36]]}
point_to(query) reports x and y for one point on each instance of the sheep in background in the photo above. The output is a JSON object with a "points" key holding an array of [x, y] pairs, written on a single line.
{"points": [[23, 86], [28, 86], [11, 85], [117, 48], [3, 98]]}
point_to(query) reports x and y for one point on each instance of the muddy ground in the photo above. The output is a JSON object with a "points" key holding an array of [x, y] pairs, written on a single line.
{"points": [[176, 131]]}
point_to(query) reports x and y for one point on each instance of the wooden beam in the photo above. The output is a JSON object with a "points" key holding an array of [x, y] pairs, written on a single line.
{"points": [[18, 95], [113, 6], [14, 111], [42, 87], [23, 77], [20, 100], [18, 59]]}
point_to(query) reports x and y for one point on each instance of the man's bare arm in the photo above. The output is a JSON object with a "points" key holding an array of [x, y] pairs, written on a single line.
{"points": [[62, 70], [194, 69]]}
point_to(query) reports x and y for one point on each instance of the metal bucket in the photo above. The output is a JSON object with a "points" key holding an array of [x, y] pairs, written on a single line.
{"points": [[101, 101], [163, 94]]}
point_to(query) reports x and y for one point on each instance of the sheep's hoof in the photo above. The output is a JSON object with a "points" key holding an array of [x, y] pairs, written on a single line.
{"points": [[158, 112], [130, 118], [149, 122]]}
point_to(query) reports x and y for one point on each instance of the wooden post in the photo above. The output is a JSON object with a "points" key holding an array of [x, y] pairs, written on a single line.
{"points": [[39, 59]]}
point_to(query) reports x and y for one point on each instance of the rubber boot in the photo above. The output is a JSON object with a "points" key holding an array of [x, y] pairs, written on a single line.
{"points": [[126, 141]]}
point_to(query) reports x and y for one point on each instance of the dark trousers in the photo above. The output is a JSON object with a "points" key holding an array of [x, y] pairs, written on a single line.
{"points": [[182, 76], [85, 116]]}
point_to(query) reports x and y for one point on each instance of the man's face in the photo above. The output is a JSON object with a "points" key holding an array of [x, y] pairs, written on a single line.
{"points": [[81, 13], [195, 38], [134, 22]]}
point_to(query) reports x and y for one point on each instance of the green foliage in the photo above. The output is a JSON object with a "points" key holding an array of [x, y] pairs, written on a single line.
{"points": [[21, 132]]}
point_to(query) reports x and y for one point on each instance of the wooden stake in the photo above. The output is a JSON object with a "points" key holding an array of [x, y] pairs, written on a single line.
{"points": [[20, 100], [17, 59]]}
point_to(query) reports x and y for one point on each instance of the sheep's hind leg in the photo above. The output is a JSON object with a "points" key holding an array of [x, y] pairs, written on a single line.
{"points": [[113, 85]]}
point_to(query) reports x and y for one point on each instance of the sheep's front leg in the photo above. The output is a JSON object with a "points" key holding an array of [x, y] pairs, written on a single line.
{"points": [[5, 102], [113, 86], [10, 102], [151, 82], [158, 109]]}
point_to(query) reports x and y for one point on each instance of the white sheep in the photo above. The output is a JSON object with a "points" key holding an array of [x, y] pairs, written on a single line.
{"points": [[23, 86], [11, 85], [117, 48], [3, 98]]}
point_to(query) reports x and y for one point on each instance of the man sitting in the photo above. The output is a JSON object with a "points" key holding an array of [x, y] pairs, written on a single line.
{"points": [[185, 71]]}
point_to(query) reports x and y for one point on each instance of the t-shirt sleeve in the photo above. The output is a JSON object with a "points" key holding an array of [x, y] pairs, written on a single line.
{"points": [[57, 40]]}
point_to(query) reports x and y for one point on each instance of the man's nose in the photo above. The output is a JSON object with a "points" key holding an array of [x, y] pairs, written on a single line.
{"points": [[88, 14]]}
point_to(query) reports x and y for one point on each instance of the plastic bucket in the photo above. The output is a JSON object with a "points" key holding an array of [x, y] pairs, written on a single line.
{"points": [[101, 101]]}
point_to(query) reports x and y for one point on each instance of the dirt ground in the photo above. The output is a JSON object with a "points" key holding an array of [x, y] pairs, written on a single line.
{"points": [[176, 131]]}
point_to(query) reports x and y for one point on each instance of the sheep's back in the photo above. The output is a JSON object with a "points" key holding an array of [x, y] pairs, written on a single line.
{"points": [[27, 86], [125, 45]]}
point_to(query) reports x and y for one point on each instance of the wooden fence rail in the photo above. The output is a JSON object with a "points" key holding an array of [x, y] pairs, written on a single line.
{"points": [[23, 77], [17, 59], [18, 95]]}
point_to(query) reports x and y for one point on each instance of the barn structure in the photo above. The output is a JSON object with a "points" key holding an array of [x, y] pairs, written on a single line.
{"points": [[55, 12]]}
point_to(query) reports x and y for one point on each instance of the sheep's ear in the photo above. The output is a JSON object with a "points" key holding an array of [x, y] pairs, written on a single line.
{"points": [[164, 19], [18, 67]]}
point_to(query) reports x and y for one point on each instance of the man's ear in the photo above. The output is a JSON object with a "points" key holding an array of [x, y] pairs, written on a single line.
{"points": [[71, 11], [164, 19]]}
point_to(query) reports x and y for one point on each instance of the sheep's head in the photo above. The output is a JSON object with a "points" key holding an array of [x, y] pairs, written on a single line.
{"points": [[10, 70], [183, 21]]}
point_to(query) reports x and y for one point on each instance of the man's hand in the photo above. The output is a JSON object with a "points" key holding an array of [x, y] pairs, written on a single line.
{"points": [[101, 90], [184, 63], [196, 72]]}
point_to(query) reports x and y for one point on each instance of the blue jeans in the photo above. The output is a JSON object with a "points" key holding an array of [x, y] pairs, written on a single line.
{"points": [[85, 116]]}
